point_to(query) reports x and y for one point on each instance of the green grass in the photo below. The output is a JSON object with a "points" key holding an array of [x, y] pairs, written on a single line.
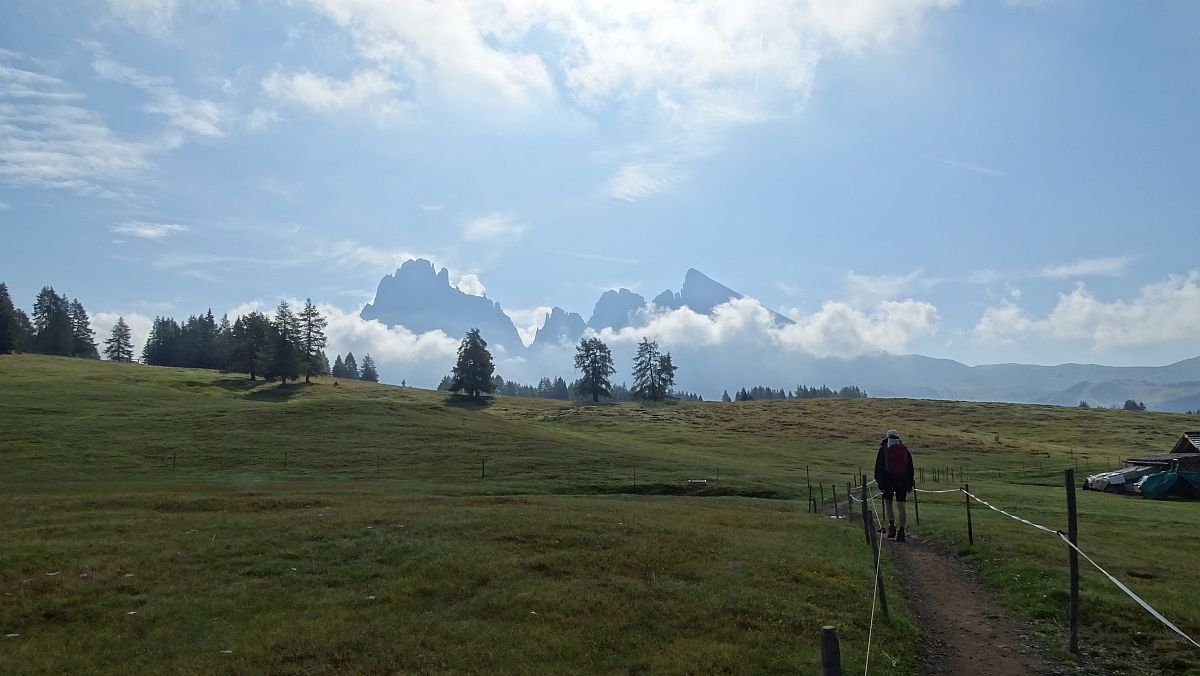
{"points": [[580, 550]]}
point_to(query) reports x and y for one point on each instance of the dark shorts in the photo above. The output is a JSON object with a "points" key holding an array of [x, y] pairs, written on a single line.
{"points": [[898, 495], [897, 488]]}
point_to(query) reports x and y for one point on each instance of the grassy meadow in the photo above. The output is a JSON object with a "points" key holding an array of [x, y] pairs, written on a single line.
{"points": [[171, 520]]}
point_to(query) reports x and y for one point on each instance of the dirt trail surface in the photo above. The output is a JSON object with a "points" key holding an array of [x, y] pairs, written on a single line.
{"points": [[966, 631]]}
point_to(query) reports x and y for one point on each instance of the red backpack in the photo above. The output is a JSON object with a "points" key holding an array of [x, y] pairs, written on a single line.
{"points": [[896, 459]]}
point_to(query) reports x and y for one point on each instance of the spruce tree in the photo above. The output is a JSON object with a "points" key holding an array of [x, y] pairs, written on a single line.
{"points": [[350, 367], [339, 368], [162, 346], [23, 333], [666, 376], [248, 344], [83, 337], [725, 397], [283, 342], [8, 322], [368, 369], [647, 375], [52, 322], [321, 368], [119, 345], [312, 338], [594, 360], [474, 369]]}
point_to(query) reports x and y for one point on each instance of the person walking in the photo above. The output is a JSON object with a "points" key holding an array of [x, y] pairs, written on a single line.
{"points": [[894, 475]]}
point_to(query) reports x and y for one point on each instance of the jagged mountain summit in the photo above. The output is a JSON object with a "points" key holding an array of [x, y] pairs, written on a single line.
{"points": [[421, 299], [701, 294]]}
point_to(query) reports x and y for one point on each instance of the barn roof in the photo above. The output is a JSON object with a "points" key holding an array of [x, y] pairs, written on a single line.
{"points": [[1189, 442]]}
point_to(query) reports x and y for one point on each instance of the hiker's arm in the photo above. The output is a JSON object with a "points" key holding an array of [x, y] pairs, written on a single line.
{"points": [[912, 479], [879, 466]]}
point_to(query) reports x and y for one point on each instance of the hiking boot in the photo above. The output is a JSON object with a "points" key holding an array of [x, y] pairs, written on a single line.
{"points": [[891, 532], [900, 535]]}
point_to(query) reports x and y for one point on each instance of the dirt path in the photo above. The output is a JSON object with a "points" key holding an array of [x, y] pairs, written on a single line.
{"points": [[965, 630]]}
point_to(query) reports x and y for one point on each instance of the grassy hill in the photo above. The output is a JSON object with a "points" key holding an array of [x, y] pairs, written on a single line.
{"points": [[157, 518]]}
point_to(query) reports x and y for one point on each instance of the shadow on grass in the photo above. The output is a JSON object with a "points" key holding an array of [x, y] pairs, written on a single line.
{"points": [[467, 401], [277, 394]]}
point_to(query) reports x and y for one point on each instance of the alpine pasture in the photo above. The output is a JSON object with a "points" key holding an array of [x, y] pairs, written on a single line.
{"points": [[186, 521]]}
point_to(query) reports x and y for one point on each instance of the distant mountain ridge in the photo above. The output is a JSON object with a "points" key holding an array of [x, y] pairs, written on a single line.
{"points": [[422, 299]]}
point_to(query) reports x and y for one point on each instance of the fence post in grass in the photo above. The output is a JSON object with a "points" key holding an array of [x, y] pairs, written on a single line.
{"points": [[876, 563], [866, 509], [970, 528], [831, 652], [808, 480], [836, 515], [917, 506], [173, 458], [285, 459], [483, 468], [849, 504], [1073, 536], [822, 486], [377, 463]]}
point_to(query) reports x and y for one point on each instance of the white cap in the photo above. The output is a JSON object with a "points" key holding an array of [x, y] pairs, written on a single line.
{"points": [[893, 434]]}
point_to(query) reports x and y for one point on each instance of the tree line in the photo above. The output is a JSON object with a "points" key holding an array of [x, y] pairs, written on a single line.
{"points": [[58, 326], [801, 392], [653, 374]]}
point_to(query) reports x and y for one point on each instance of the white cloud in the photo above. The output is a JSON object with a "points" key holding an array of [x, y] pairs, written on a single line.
{"points": [[191, 116], [492, 227], [155, 231], [529, 321], [150, 16], [369, 91], [871, 289], [262, 119], [1111, 266], [469, 283], [1160, 313], [635, 180], [837, 329], [395, 349], [602, 259], [139, 328], [49, 141], [969, 167]]}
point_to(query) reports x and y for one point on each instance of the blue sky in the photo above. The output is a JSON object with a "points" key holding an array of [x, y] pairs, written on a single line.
{"points": [[985, 181]]}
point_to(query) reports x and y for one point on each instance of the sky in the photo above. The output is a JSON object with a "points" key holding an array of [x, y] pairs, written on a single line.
{"points": [[984, 181]]}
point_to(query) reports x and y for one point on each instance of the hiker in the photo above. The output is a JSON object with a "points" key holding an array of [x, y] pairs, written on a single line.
{"points": [[894, 474]]}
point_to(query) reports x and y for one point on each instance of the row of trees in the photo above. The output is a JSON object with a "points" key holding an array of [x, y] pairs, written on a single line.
{"points": [[59, 326], [557, 388], [653, 373], [1129, 405], [348, 368], [801, 392]]}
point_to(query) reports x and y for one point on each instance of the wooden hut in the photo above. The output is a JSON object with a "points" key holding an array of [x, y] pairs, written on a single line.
{"points": [[1185, 455]]}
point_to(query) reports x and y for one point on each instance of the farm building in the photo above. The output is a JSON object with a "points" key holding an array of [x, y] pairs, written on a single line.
{"points": [[1156, 476]]}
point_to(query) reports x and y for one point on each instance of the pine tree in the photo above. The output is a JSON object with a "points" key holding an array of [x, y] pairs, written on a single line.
{"points": [[52, 321], [119, 345], [225, 344], [339, 368], [666, 376], [473, 372], [312, 338], [8, 322], [350, 367], [248, 344], [283, 341], [368, 369], [594, 360], [321, 367], [24, 333], [725, 397]]}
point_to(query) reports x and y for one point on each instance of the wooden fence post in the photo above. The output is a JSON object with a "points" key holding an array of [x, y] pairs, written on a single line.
{"points": [[173, 458], [970, 528], [285, 459], [1073, 536], [849, 504], [483, 468], [866, 509], [917, 506], [833, 487], [822, 486], [831, 652]]}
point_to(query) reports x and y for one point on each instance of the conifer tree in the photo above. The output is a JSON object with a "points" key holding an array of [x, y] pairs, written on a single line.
{"points": [[339, 368], [283, 342], [594, 360], [321, 367], [350, 367], [312, 338], [8, 322], [24, 333], [52, 322], [725, 397], [119, 345], [473, 372], [163, 344], [653, 373], [248, 344], [368, 369]]}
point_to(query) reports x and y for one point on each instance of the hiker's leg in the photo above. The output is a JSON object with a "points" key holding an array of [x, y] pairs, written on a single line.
{"points": [[903, 514], [887, 509]]}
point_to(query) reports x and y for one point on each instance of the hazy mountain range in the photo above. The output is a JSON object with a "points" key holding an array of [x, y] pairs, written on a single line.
{"points": [[422, 299]]}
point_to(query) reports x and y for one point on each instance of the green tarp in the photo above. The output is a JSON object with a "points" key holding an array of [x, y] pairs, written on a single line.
{"points": [[1173, 482]]}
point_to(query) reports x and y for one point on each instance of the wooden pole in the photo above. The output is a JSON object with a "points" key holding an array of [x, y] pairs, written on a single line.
{"points": [[883, 605], [285, 459], [917, 506], [831, 653], [483, 468], [866, 508], [970, 528], [849, 504], [1073, 536], [833, 487], [174, 458], [822, 486]]}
